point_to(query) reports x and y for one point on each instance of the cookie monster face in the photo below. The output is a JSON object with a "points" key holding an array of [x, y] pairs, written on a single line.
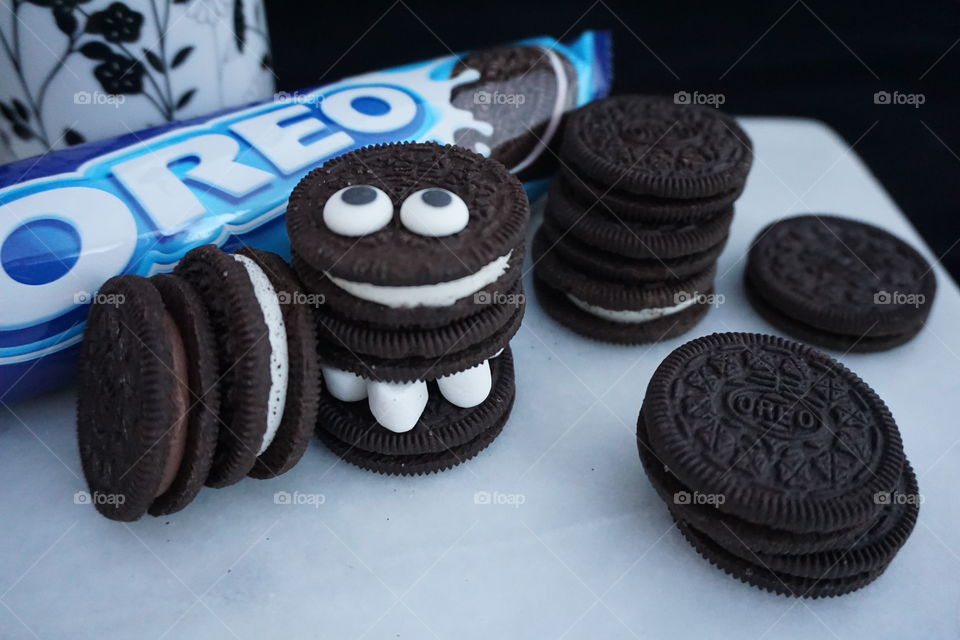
{"points": [[408, 224]]}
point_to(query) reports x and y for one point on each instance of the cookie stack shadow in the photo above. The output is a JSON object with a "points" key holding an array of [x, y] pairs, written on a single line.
{"points": [[637, 217], [778, 464]]}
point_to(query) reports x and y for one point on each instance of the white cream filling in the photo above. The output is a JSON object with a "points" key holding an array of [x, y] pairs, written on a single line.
{"points": [[440, 294], [397, 406], [629, 315], [277, 337]]}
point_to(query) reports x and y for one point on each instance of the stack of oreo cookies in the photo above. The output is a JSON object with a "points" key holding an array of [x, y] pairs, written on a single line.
{"points": [[416, 250], [778, 464], [637, 217], [203, 376], [839, 283]]}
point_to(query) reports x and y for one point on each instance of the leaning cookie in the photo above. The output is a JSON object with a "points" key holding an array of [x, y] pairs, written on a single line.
{"points": [[147, 398]]}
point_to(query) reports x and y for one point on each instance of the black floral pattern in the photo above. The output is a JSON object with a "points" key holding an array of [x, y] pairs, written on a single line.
{"points": [[120, 75], [117, 23], [125, 66]]}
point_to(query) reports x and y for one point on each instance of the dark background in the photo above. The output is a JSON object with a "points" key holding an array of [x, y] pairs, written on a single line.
{"points": [[815, 58]]}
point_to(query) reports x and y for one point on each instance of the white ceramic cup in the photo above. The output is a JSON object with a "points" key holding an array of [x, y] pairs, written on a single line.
{"points": [[80, 70]]}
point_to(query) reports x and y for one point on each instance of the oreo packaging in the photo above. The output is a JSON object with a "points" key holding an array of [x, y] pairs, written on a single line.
{"points": [[137, 204], [201, 377]]}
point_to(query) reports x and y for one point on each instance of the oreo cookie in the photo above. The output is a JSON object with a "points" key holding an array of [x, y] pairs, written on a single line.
{"points": [[780, 466], [584, 191], [602, 229], [617, 268], [160, 412], [839, 283], [299, 413], [649, 145], [133, 402], [444, 435], [615, 312], [644, 202], [416, 250], [522, 92]]}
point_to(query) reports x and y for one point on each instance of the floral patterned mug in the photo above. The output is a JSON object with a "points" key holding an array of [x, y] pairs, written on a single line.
{"points": [[78, 70]]}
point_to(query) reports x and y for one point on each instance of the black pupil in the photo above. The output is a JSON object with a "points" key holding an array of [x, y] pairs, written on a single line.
{"points": [[359, 195], [437, 197]]}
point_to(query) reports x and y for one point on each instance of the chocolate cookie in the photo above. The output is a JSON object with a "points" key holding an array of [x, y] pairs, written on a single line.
{"points": [[133, 404], [444, 436], [760, 576], [617, 268], [789, 437], [614, 312], [586, 192], [203, 423], [839, 283], [303, 380], [243, 358], [650, 145], [429, 354], [728, 530], [523, 93], [600, 228], [363, 216]]}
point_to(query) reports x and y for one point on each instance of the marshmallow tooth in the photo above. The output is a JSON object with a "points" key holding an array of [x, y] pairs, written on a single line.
{"points": [[467, 388], [344, 385], [397, 405]]}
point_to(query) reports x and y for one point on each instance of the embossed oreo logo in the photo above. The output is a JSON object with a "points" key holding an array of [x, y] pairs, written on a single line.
{"points": [[789, 416]]}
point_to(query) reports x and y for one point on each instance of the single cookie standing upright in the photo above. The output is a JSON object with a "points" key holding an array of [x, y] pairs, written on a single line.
{"points": [[243, 352], [839, 283], [133, 404], [303, 380]]}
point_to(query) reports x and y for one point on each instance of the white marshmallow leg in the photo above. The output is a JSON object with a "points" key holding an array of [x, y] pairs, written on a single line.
{"points": [[467, 388], [344, 385], [397, 405]]}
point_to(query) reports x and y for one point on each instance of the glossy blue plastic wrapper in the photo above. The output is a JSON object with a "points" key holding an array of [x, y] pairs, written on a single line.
{"points": [[71, 219]]}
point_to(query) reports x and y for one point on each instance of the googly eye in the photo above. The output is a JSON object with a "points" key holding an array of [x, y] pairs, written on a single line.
{"points": [[434, 212], [357, 210]]}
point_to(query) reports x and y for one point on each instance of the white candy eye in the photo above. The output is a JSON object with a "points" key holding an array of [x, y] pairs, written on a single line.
{"points": [[357, 210], [434, 212]]}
